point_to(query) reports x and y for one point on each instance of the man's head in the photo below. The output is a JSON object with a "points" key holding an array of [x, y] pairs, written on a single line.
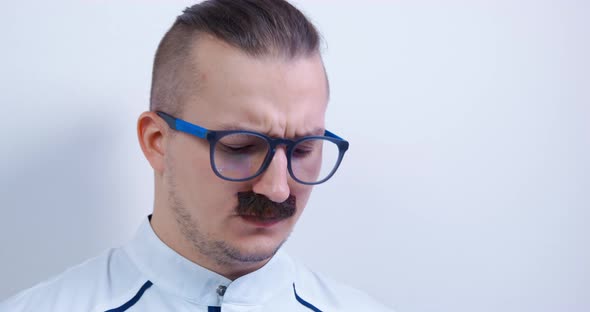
{"points": [[258, 28], [224, 65]]}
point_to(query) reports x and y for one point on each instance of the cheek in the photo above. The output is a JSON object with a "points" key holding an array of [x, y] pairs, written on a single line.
{"points": [[204, 194], [192, 170]]}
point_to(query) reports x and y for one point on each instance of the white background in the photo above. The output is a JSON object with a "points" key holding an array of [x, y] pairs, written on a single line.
{"points": [[466, 188]]}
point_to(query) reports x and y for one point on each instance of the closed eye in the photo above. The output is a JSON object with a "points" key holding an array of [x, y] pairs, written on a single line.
{"points": [[302, 152], [237, 149]]}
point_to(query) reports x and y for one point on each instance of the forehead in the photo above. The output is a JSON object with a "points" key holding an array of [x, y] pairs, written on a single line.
{"points": [[270, 94]]}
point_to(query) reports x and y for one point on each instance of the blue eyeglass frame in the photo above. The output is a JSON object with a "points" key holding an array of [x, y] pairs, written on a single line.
{"points": [[214, 136]]}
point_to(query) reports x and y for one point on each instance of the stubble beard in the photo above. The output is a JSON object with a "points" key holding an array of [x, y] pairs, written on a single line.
{"points": [[220, 251]]}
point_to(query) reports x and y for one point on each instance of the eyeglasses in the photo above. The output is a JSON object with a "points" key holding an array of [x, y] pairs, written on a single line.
{"points": [[241, 155]]}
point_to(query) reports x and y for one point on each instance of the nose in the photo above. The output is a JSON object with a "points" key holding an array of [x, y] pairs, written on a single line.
{"points": [[273, 182]]}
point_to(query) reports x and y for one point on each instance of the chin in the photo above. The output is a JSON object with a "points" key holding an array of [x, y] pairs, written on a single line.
{"points": [[255, 249]]}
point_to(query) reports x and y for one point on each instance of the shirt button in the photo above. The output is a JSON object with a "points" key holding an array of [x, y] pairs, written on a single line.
{"points": [[221, 290]]}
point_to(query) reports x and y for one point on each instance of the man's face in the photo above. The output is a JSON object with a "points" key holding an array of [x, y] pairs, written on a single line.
{"points": [[275, 96]]}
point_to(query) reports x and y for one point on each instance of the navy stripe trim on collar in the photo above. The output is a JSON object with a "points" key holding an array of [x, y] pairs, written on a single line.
{"points": [[305, 303], [133, 300], [214, 309]]}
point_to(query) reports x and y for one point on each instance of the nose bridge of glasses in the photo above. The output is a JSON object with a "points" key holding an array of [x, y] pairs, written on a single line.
{"points": [[275, 142]]}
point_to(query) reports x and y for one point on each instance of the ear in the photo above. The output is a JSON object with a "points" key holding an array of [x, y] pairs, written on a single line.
{"points": [[151, 130]]}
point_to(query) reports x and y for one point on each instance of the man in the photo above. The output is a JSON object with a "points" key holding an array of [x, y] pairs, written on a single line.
{"points": [[236, 137]]}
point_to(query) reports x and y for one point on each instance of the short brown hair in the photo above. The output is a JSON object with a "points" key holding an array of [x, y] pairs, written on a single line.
{"points": [[257, 27]]}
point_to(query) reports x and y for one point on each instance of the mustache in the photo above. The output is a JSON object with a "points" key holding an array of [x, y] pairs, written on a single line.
{"points": [[257, 205]]}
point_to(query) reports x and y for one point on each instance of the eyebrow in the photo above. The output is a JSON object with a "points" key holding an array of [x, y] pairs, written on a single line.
{"points": [[316, 131]]}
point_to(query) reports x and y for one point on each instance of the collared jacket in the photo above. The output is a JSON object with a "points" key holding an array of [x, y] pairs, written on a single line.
{"points": [[146, 275]]}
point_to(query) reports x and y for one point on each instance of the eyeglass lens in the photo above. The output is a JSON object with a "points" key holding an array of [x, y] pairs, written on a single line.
{"points": [[241, 155]]}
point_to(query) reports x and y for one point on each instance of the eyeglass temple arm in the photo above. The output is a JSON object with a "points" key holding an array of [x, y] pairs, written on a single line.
{"points": [[332, 135], [181, 125]]}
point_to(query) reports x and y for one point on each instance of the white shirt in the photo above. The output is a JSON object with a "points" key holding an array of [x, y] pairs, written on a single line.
{"points": [[146, 275]]}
